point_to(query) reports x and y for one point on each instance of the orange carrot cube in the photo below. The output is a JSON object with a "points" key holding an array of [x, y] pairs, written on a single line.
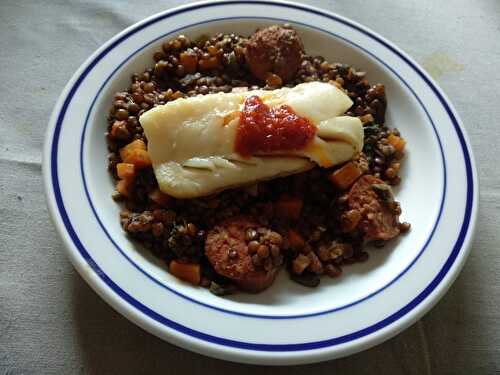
{"points": [[125, 170], [189, 272], [397, 142], [346, 175], [124, 187]]}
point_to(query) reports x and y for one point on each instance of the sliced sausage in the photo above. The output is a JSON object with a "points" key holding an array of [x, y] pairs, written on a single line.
{"points": [[227, 251], [274, 49], [373, 199]]}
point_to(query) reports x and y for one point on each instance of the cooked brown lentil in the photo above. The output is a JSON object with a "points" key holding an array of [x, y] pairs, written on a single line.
{"points": [[177, 230]]}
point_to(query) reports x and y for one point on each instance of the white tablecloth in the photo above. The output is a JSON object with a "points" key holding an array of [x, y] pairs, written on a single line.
{"points": [[51, 322]]}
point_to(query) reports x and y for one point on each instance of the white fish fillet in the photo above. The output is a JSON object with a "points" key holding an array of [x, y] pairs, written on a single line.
{"points": [[191, 140]]}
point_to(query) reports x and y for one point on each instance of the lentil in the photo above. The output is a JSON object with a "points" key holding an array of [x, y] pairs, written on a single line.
{"points": [[263, 251], [253, 246]]}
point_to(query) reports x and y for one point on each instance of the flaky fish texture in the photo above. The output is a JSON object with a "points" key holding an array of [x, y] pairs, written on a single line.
{"points": [[191, 141]]}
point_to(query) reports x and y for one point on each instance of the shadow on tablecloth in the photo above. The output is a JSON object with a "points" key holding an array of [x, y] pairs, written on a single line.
{"points": [[112, 345]]}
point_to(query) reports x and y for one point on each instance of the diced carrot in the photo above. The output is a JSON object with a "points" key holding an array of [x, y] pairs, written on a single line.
{"points": [[346, 175], [397, 142], [138, 144], [289, 208], [189, 61], [210, 63], [159, 197], [125, 170], [295, 239], [189, 272], [139, 158], [124, 186]]}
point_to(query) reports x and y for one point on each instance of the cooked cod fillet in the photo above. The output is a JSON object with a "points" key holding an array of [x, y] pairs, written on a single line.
{"points": [[191, 141]]}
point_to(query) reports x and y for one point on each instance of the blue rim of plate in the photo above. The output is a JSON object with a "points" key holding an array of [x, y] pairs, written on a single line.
{"points": [[262, 316], [257, 346]]}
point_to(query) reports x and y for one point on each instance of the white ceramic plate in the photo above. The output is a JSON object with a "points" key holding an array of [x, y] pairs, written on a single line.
{"points": [[286, 324]]}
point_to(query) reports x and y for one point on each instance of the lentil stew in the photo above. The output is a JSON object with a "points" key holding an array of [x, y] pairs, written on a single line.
{"points": [[312, 223]]}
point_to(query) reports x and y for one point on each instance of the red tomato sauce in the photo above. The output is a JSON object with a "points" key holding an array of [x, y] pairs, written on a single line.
{"points": [[265, 129]]}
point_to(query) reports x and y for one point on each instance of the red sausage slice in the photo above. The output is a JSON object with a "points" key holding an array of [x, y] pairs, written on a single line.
{"points": [[227, 251], [274, 49], [378, 220]]}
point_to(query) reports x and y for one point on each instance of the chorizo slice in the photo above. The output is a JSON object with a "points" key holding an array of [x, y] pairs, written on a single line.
{"points": [[227, 251], [274, 49], [373, 198]]}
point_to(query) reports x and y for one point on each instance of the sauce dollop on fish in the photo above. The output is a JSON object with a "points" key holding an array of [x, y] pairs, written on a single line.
{"points": [[265, 129]]}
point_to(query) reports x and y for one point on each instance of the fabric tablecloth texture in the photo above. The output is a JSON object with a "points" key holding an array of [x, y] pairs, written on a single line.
{"points": [[51, 322]]}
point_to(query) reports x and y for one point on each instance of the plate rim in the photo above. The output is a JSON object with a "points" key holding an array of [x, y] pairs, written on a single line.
{"points": [[97, 284]]}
